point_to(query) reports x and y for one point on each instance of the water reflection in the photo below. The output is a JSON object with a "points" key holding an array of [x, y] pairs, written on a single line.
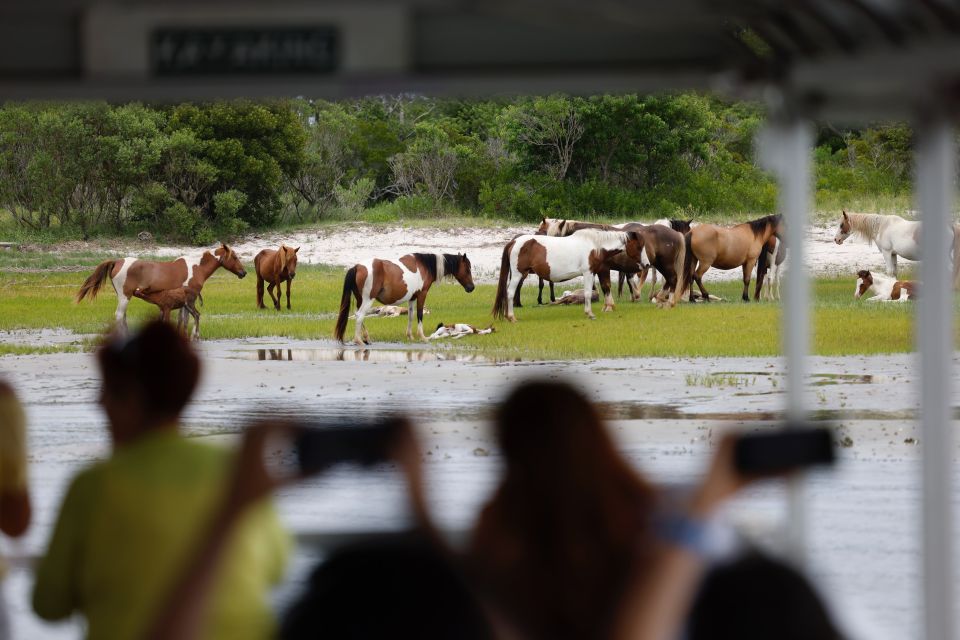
{"points": [[369, 355]]}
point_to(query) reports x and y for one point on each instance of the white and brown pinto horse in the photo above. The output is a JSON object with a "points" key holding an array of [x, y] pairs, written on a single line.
{"points": [[129, 274], [770, 268], [406, 279], [586, 253], [894, 237], [885, 288], [709, 245]]}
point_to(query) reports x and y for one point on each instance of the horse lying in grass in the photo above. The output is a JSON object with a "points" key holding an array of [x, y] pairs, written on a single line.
{"points": [[575, 297], [458, 330], [129, 274], [709, 245], [184, 299], [586, 253], [407, 279], [275, 266], [885, 288], [391, 311]]}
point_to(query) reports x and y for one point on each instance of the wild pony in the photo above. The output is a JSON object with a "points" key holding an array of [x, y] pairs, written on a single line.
{"points": [[893, 237], [709, 245], [554, 227], [664, 250], [885, 288], [275, 266], [770, 263], [586, 253], [407, 279], [636, 281], [184, 298], [129, 274]]}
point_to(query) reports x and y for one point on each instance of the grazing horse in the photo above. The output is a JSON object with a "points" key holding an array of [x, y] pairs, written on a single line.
{"points": [[893, 237], [170, 299], [770, 263], [586, 253], [725, 248], [407, 279], [636, 281], [129, 274], [885, 288], [664, 250], [275, 267]]}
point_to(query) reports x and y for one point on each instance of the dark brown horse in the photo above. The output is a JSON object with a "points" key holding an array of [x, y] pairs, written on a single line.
{"points": [[407, 279], [726, 248], [130, 274], [275, 266], [664, 250], [636, 282]]}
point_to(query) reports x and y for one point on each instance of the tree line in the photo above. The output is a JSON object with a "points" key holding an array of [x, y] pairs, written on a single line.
{"points": [[193, 172]]}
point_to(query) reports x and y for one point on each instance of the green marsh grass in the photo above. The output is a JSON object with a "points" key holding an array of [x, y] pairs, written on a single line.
{"points": [[841, 325]]}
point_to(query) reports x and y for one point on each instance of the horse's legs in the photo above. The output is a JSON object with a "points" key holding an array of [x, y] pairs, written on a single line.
{"points": [[274, 298], [604, 278], [421, 299], [540, 282], [121, 313], [553, 297], [747, 272], [288, 293], [588, 294], [698, 278], [260, 304], [410, 306], [360, 335], [516, 297], [513, 287], [891, 259]]}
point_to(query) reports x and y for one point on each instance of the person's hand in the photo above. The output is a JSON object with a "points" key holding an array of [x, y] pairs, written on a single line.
{"points": [[721, 481]]}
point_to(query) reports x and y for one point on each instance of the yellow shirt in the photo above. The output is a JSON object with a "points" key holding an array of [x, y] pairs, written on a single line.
{"points": [[13, 449], [127, 526]]}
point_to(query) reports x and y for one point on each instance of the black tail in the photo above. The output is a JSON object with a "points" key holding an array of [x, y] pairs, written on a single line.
{"points": [[500, 304], [687, 266], [349, 289], [91, 286], [620, 281]]}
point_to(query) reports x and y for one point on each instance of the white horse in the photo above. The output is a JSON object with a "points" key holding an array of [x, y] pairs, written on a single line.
{"points": [[885, 288], [556, 259]]}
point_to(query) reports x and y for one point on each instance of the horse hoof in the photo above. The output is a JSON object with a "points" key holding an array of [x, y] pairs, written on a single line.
{"points": [[591, 317], [512, 319]]}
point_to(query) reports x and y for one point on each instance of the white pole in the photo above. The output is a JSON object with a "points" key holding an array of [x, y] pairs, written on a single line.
{"points": [[786, 147], [936, 168]]}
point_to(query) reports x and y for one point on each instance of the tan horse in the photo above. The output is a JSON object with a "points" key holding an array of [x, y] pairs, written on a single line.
{"points": [[709, 245], [172, 299], [275, 266], [407, 279], [130, 274]]}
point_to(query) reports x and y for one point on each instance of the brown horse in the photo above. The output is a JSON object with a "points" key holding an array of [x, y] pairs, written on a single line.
{"points": [[275, 267], [664, 250], [635, 283], [184, 298], [130, 274], [726, 248], [407, 279]]}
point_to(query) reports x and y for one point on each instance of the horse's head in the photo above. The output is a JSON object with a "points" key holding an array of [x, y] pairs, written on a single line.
{"points": [[462, 272], [634, 246], [550, 227], [843, 232], [682, 226], [288, 260], [229, 260], [864, 282]]}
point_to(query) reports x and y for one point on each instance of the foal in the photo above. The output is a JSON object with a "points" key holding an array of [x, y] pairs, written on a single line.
{"points": [[275, 266], [885, 288], [184, 298]]}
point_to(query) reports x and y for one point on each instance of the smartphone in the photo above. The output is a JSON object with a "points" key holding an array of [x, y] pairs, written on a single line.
{"points": [[324, 444], [773, 452]]}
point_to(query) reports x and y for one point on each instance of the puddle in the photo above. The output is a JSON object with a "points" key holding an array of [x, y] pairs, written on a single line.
{"points": [[366, 355], [638, 411]]}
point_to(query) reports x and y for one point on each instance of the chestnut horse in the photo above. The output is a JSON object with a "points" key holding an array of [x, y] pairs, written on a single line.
{"points": [[586, 253], [130, 274], [184, 298], [275, 267], [636, 282], [709, 245], [407, 279]]}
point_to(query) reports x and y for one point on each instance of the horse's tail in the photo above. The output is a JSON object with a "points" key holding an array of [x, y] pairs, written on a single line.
{"points": [[349, 289], [91, 286], [620, 281], [500, 304], [679, 264], [762, 265], [687, 263]]}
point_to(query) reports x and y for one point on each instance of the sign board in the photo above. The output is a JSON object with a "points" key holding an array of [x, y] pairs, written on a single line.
{"points": [[185, 51]]}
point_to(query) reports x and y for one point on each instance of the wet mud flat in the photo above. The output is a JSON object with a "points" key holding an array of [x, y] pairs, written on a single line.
{"points": [[664, 412]]}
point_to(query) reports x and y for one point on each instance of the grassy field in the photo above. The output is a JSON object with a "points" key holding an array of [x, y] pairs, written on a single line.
{"points": [[842, 326]]}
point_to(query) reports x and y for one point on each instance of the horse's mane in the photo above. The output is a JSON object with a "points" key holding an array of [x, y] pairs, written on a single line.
{"points": [[434, 263], [760, 225], [451, 263], [602, 236], [869, 225]]}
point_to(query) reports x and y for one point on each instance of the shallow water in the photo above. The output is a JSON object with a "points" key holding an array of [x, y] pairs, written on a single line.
{"points": [[863, 515]]}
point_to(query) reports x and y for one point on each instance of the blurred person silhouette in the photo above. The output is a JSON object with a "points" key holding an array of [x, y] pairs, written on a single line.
{"points": [[403, 585], [756, 597], [127, 523], [575, 543], [15, 509]]}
